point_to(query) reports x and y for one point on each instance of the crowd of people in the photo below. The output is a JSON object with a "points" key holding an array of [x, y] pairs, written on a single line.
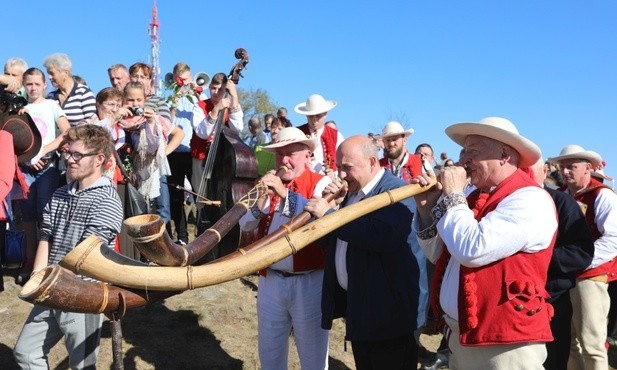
{"points": [[511, 256]]}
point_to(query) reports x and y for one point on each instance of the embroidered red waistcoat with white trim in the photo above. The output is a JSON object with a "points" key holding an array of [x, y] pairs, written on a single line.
{"points": [[588, 198], [199, 146], [505, 302], [311, 257], [329, 137], [409, 170]]}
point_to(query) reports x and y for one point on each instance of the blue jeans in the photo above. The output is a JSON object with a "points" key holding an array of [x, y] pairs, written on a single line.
{"points": [[42, 186], [162, 201]]}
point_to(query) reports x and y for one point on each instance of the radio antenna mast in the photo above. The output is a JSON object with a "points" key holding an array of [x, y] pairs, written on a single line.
{"points": [[153, 31]]}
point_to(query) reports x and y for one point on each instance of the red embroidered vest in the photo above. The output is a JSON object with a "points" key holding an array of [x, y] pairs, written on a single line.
{"points": [[311, 257], [409, 170], [503, 302], [328, 143], [199, 146], [588, 198]]}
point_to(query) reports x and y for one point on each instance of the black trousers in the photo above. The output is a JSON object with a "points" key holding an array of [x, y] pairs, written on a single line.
{"points": [[181, 166], [612, 313], [558, 350], [396, 353]]}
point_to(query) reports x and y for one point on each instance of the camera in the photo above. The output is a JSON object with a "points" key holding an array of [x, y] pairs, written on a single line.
{"points": [[10, 102], [137, 111]]}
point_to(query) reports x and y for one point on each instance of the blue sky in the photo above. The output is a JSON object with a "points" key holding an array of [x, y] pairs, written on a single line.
{"points": [[548, 66]]}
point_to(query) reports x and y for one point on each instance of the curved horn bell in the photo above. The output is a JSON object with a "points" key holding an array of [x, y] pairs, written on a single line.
{"points": [[59, 288]]}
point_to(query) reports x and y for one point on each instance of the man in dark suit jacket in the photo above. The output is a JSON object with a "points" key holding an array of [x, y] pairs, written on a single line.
{"points": [[371, 276]]}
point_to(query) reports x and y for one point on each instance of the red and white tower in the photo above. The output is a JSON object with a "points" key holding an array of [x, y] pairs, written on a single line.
{"points": [[153, 31]]}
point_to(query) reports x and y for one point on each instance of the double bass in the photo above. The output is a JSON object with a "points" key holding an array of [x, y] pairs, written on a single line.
{"points": [[230, 171]]}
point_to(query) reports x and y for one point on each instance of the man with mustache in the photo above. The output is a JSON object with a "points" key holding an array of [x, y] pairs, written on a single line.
{"points": [[492, 247], [289, 294]]}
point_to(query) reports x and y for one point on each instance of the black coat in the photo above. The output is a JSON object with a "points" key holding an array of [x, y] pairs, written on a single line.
{"points": [[573, 248], [382, 296]]}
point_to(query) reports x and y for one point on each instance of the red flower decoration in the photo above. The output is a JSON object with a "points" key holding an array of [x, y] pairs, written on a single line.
{"points": [[179, 81], [199, 89]]}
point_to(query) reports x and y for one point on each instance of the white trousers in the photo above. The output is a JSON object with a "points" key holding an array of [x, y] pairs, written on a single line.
{"points": [[521, 356], [286, 302], [590, 305]]}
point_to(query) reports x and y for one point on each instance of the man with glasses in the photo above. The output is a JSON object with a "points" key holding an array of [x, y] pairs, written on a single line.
{"points": [[88, 205], [328, 139]]}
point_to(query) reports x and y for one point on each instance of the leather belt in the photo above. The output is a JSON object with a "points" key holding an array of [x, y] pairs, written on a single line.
{"points": [[289, 274], [600, 278]]}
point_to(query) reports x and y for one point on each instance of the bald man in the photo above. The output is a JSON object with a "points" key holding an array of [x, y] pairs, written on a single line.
{"points": [[371, 276]]}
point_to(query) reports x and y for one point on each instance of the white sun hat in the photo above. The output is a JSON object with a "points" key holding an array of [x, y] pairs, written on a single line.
{"points": [[577, 152], [315, 104], [499, 129], [290, 135], [393, 128]]}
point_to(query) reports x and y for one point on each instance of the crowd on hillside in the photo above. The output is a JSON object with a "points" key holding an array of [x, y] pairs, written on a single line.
{"points": [[511, 255]]}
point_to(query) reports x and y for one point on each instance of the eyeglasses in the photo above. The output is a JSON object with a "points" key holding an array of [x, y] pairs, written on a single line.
{"points": [[77, 156]]}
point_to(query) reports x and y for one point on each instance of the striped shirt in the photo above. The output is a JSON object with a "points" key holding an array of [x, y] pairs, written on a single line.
{"points": [[72, 215], [159, 106], [79, 105]]}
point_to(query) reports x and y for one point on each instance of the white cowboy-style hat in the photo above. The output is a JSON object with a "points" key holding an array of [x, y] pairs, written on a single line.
{"points": [[499, 129], [315, 104], [290, 135], [393, 128], [577, 152], [599, 174]]}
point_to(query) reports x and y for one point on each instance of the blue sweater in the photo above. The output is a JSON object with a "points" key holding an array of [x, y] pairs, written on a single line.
{"points": [[382, 296]]}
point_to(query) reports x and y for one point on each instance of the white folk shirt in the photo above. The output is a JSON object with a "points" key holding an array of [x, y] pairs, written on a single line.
{"points": [[605, 248], [340, 255], [317, 159], [524, 221], [283, 215], [203, 124]]}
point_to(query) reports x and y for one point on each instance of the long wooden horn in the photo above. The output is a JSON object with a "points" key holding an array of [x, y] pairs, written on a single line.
{"points": [[93, 258], [149, 235], [59, 288]]}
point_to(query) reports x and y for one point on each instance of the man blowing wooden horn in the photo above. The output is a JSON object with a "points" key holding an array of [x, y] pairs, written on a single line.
{"points": [[290, 290]]}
